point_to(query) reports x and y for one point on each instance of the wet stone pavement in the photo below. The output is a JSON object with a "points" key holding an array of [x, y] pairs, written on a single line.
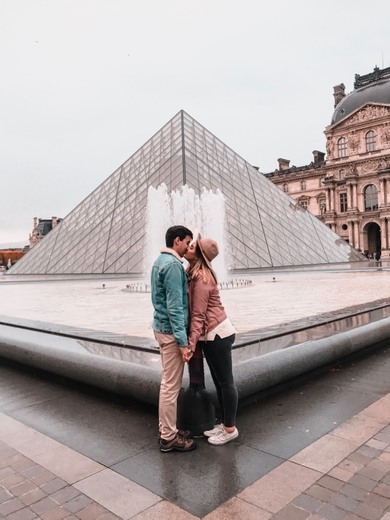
{"points": [[317, 449]]}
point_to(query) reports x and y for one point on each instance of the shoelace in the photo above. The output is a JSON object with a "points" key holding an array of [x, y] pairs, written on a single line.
{"points": [[224, 433]]}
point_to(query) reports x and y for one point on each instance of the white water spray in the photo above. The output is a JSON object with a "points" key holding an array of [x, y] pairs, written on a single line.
{"points": [[204, 213]]}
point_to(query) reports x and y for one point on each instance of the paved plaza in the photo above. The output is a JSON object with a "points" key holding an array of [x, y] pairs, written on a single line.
{"points": [[317, 449]]}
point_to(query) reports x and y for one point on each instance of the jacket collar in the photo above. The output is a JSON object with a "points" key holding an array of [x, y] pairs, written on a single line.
{"points": [[171, 251]]}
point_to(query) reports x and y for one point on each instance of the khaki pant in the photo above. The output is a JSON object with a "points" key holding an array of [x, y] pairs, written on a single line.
{"points": [[172, 375]]}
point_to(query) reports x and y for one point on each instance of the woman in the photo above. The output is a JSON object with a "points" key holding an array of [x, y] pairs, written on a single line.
{"points": [[211, 330]]}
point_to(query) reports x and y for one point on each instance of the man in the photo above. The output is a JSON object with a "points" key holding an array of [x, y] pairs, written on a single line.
{"points": [[170, 325]]}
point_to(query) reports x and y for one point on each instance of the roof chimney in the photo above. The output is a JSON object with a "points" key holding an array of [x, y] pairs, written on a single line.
{"points": [[284, 164], [319, 157], [338, 93]]}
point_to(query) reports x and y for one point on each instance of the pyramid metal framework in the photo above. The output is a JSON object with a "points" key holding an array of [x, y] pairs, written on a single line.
{"points": [[106, 232]]}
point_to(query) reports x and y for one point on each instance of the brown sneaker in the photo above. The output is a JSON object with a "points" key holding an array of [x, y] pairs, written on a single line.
{"points": [[177, 444]]}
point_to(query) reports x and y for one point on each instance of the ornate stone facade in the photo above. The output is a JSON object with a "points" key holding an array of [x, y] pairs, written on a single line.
{"points": [[349, 190], [41, 227]]}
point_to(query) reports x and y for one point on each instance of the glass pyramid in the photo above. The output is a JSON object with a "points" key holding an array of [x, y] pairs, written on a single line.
{"points": [[106, 232]]}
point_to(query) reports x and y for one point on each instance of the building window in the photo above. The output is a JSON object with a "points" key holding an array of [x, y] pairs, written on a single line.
{"points": [[303, 203], [370, 141], [370, 198], [342, 147], [303, 185], [285, 188], [343, 202]]}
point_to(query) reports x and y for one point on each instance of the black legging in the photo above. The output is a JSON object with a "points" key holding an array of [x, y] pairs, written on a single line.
{"points": [[218, 354]]}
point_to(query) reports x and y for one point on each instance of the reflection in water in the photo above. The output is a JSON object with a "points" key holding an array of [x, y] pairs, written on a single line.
{"points": [[148, 359], [264, 346]]}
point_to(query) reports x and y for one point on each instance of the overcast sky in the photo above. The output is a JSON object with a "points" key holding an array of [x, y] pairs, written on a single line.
{"points": [[85, 83]]}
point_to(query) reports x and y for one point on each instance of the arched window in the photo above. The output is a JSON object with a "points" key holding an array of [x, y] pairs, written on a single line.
{"points": [[303, 185], [370, 198], [370, 141], [342, 147]]}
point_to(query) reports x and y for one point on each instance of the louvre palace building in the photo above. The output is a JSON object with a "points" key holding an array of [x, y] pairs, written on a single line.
{"points": [[348, 188]]}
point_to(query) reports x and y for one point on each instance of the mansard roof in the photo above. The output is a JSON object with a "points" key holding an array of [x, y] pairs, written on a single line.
{"points": [[371, 88]]}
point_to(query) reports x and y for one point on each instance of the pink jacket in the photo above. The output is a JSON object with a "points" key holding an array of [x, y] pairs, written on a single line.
{"points": [[206, 310]]}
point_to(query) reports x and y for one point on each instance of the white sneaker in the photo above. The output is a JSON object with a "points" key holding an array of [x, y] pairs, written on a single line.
{"points": [[210, 433], [222, 437]]}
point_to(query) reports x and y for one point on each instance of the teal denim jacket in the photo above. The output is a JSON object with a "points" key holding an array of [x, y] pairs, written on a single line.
{"points": [[169, 297]]}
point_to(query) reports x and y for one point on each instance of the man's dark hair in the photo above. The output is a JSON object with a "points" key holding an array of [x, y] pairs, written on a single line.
{"points": [[176, 231]]}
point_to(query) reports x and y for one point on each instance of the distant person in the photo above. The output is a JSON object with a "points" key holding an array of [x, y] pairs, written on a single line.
{"points": [[170, 325], [212, 331]]}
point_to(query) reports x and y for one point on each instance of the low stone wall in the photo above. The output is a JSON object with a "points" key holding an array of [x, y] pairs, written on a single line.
{"points": [[50, 353], [263, 372]]}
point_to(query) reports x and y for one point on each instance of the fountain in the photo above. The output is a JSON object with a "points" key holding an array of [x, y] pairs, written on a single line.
{"points": [[204, 213]]}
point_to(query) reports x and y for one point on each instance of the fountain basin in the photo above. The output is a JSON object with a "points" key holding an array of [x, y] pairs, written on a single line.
{"points": [[137, 375]]}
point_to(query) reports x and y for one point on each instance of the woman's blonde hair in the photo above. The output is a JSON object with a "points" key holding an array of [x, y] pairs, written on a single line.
{"points": [[202, 268]]}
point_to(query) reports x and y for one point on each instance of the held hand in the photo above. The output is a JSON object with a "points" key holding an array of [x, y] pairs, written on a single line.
{"points": [[186, 354], [189, 355]]}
